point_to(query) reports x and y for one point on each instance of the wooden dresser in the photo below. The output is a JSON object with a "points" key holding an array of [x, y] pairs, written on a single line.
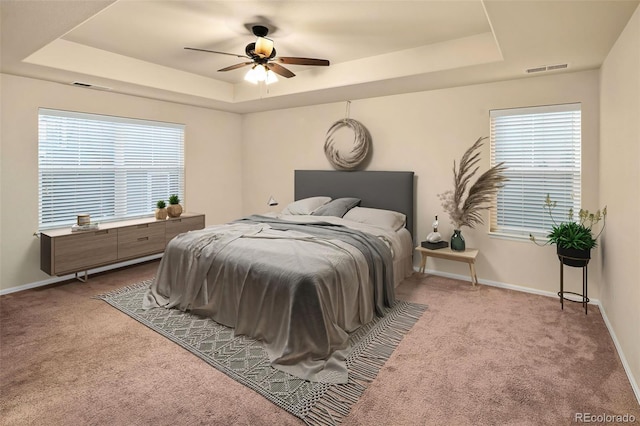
{"points": [[64, 252]]}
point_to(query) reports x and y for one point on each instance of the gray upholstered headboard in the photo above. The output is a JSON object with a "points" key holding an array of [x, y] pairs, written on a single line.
{"points": [[376, 189]]}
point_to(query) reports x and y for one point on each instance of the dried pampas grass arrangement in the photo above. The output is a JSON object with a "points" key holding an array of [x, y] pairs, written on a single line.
{"points": [[469, 212]]}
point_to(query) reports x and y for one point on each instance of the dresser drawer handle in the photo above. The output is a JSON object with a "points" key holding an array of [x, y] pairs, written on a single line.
{"points": [[143, 238], [106, 231], [145, 225]]}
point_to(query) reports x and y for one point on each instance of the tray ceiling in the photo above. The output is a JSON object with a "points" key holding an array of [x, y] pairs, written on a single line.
{"points": [[375, 47]]}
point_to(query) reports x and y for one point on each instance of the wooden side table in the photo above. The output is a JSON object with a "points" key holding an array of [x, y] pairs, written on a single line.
{"points": [[467, 256]]}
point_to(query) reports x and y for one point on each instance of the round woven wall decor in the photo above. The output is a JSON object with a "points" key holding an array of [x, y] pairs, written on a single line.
{"points": [[348, 159]]}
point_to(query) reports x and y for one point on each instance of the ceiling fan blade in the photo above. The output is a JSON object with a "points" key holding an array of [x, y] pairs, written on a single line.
{"points": [[280, 70], [302, 61], [213, 51], [236, 66]]}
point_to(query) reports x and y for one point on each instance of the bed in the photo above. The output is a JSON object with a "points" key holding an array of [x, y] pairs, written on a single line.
{"points": [[299, 280]]}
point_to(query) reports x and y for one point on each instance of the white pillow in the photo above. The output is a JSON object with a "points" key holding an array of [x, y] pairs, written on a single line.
{"points": [[306, 205], [387, 219]]}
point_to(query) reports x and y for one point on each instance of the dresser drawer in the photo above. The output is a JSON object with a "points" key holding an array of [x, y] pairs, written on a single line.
{"points": [[70, 251], [183, 224], [140, 240]]}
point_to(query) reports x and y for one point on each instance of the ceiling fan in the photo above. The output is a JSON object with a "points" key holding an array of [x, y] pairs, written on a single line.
{"points": [[262, 55]]}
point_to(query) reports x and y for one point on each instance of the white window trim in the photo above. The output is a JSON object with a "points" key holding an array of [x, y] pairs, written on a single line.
{"points": [[117, 163], [574, 169]]}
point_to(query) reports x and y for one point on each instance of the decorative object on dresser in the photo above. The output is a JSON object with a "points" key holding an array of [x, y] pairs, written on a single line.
{"points": [[83, 223], [65, 252], [468, 211], [350, 158], [434, 239], [84, 219], [81, 228], [161, 211], [434, 246], [457, 240], [574, 241], [434, 236], [174, 209]]}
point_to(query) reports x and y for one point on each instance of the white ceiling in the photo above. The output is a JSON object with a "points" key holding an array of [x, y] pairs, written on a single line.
{"points": [[375, 47]]}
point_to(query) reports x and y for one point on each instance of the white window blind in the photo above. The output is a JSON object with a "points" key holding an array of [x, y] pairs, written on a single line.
{"points": [[541, 148], [109, 167]]}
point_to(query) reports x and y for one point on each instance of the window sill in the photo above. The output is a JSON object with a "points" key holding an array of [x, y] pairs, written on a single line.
{"points": [[514, 237]]}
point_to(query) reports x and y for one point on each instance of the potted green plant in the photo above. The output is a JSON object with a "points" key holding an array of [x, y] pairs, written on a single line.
{"points": [[574, 239], [161, 211], [174, 209]]}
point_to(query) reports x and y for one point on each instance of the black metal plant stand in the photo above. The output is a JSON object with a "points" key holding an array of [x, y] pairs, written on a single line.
{"points": [[584, 299]]}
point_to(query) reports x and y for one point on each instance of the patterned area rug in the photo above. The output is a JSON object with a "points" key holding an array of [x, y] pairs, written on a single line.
{"points": [[244, 359]]}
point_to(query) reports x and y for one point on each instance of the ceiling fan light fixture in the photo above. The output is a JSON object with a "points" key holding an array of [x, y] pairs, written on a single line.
{"points": [[253, 75], [260, 73], [271, 77], [264, 47]]}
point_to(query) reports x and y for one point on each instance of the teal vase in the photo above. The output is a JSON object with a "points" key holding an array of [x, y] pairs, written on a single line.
{"points": [[457, 241]]}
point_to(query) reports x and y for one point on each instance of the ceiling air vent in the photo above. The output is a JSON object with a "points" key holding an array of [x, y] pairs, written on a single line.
{"points": [[89, 86], [547, 68], [538, 69], [556, 67]]}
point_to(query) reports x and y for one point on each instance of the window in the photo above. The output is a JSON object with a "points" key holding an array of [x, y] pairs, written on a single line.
{"points": [[541, 148], [109, 167]]}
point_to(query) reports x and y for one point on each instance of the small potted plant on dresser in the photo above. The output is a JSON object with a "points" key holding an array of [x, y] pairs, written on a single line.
{"points": [[574, 239], [161, 211], [174, 209]]}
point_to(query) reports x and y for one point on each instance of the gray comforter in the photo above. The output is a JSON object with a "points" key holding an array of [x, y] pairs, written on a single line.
{"points": [[298, 287]]}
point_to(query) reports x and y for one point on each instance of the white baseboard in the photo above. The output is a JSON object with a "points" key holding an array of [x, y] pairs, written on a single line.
{"points": [[501, 285], [623, 359], [54, 280], [625, 364]]}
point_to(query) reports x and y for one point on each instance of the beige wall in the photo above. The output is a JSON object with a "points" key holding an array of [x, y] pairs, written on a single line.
{"points": [[1, 175], [213, 161], [620, 189], [424, 132]]}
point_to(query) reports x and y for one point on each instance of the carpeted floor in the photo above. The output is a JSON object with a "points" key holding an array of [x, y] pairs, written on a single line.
{"points": [[476, 357]]}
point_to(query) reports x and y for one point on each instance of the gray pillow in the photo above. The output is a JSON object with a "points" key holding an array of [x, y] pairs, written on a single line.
{"points": [[337, 207]]}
